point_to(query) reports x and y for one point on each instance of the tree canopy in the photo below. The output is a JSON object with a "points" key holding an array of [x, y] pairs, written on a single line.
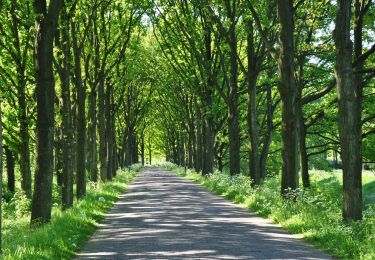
{"points": [[258, 88]]}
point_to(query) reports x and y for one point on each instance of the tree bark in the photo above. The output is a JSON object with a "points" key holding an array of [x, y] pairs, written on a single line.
{"points": [[268, 137], [92, 156], [303, 153], [207, 99], [10, 169], [349, 115], [109, 139], [80, 118], [288, 94], [101, 124], [92, 150], [143, 148], [66, 114], [25, 140], [114, 148], [191, 147], [252, 114], [209, 148], [198, 162], [233, 125], [46, 25], [58, 157], [21, 98], [150, 150]]}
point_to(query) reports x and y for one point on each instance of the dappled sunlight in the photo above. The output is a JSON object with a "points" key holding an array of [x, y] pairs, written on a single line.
{"points": [[166, 217]]}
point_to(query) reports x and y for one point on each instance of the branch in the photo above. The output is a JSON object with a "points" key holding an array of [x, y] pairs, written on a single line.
{"points": [[369, 118], [371, 132]]}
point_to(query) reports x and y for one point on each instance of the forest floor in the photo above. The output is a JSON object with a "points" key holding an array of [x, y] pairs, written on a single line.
{"points": [[164, 216]]}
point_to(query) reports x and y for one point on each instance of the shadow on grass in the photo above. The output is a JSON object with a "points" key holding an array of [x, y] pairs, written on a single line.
{"points": [[68, 230]]}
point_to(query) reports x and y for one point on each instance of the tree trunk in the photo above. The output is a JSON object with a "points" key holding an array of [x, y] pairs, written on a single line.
{"points": [[233, 126], [92, 113], [128, 157], [288, 94], [150, 150], [114, 145], [66, 114], [25, 139], [349, 115], [303, 153], [220, 155], [58, 157], [46, 25], [134, 148], [191, 138], [143, 148], [123, 149], [198, 162], [252, 114], [92, 152], [10, 170], [101, 120], [182, 149], [20, 63], [209, 149], [109, 139], [268, 138], [80, 118]]}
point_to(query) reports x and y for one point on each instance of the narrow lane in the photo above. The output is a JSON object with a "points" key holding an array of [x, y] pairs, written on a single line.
{"points": [[163, 216]]}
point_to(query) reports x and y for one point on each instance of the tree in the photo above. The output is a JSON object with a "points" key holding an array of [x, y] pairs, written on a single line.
{"points": [[288, 93], [16, 32], [46, 24], [349, 114], [10, 169], [66, 113]]}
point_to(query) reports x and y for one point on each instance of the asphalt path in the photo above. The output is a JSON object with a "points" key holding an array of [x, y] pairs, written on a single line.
{"points": [[164, 216]]}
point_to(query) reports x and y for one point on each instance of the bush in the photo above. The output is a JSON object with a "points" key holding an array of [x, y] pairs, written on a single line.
{"points": [[68, 229], [319, 163], [136, 167], [18, 206], [166, 165]]}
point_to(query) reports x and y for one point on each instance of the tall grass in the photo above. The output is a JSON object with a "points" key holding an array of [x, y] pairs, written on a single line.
{"points": [[315, 213], [68, 230]]}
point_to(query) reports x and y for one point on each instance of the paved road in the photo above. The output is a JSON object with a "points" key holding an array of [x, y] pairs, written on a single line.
{"points": [[163, 216]]}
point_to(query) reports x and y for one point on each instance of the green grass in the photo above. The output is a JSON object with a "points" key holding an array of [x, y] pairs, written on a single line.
{"points": [[68, 230], [315, 214]]}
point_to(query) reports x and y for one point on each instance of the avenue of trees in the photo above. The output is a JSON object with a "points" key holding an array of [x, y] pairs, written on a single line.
{"points": [[254, 87], [71, 95], [269, 86]]}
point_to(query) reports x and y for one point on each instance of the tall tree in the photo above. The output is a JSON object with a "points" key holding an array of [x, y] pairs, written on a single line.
{"points": [[348, 94], [10, 169], [66, 113], [16, 32], [81, 117], [288, 93], [46, 20], [233, 115]]}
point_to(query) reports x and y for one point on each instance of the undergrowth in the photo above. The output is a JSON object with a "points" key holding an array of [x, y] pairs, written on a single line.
{"points": [[315, 214], [68, 230]]}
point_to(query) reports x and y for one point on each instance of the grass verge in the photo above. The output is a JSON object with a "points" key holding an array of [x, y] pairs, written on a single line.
{"points": [[68, 230], [315, 214]]}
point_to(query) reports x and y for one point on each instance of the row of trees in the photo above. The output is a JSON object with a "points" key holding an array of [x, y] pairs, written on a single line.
{"points": [[88, 86], [75, 83], [258, 78]]}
